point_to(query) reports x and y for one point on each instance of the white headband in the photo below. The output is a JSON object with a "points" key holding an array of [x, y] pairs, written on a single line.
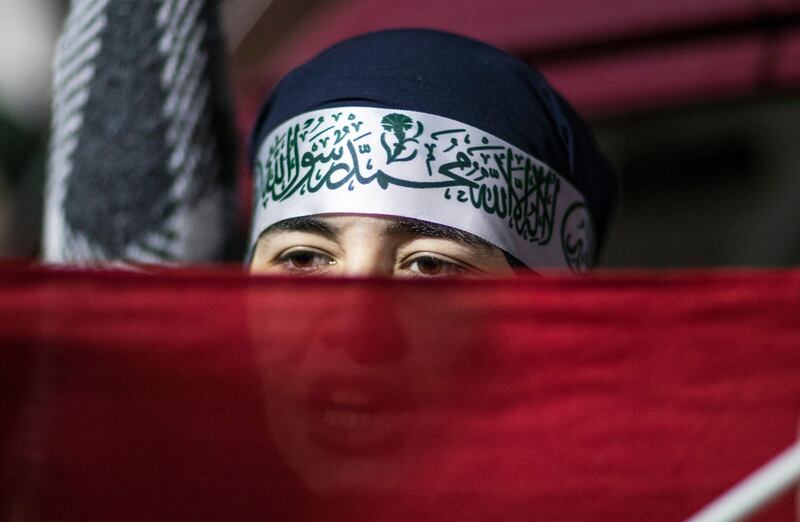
{"points": [[365, 160]]}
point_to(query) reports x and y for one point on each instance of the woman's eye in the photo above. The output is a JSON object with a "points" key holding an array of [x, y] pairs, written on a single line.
{"points": [[434, 266], [305, 260]]}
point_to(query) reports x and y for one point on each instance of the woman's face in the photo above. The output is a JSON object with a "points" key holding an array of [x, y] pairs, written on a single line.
{"points": [[359, 245], [359, 396]]}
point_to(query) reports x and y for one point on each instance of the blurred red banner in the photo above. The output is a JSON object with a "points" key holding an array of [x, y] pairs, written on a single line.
{"points": [[209, 394]]}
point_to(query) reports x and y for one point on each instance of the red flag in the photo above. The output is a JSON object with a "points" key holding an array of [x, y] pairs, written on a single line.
{"points": [[210, 394]]}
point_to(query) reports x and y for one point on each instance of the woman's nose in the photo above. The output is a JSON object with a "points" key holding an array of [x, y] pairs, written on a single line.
{"points": [[365, 327], [368, 262]]}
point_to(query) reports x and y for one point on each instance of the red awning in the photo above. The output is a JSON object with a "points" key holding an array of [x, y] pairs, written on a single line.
{"points": [[606, 56]]}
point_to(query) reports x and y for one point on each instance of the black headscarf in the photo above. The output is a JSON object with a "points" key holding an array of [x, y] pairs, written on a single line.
{"points": [[455, 77]]}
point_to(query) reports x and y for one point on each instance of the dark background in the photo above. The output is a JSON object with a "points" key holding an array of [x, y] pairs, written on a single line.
{"points": [[696, 104]]}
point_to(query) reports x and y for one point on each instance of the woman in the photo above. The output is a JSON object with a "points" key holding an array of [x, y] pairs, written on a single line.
{"points": [[403, 153]]}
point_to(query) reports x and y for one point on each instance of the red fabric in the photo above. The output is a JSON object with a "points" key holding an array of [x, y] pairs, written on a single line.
{"points": [[210, 395]]}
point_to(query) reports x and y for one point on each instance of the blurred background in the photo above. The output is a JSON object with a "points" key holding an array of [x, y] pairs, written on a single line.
{"points": [[696, 102]]}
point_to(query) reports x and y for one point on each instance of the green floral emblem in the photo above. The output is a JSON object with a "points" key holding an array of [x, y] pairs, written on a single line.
{"points": [[398, 125]]}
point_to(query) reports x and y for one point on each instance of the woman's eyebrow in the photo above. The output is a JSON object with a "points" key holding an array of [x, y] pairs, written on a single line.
{"points": [[408, 226], [304, 224]]}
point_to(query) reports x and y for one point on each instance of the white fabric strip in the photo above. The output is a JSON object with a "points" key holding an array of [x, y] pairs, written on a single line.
{"points": [[365, 160]]}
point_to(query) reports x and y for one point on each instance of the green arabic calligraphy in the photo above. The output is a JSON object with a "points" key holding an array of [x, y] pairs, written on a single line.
{"points": [[576, 237], [489, 177]]}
